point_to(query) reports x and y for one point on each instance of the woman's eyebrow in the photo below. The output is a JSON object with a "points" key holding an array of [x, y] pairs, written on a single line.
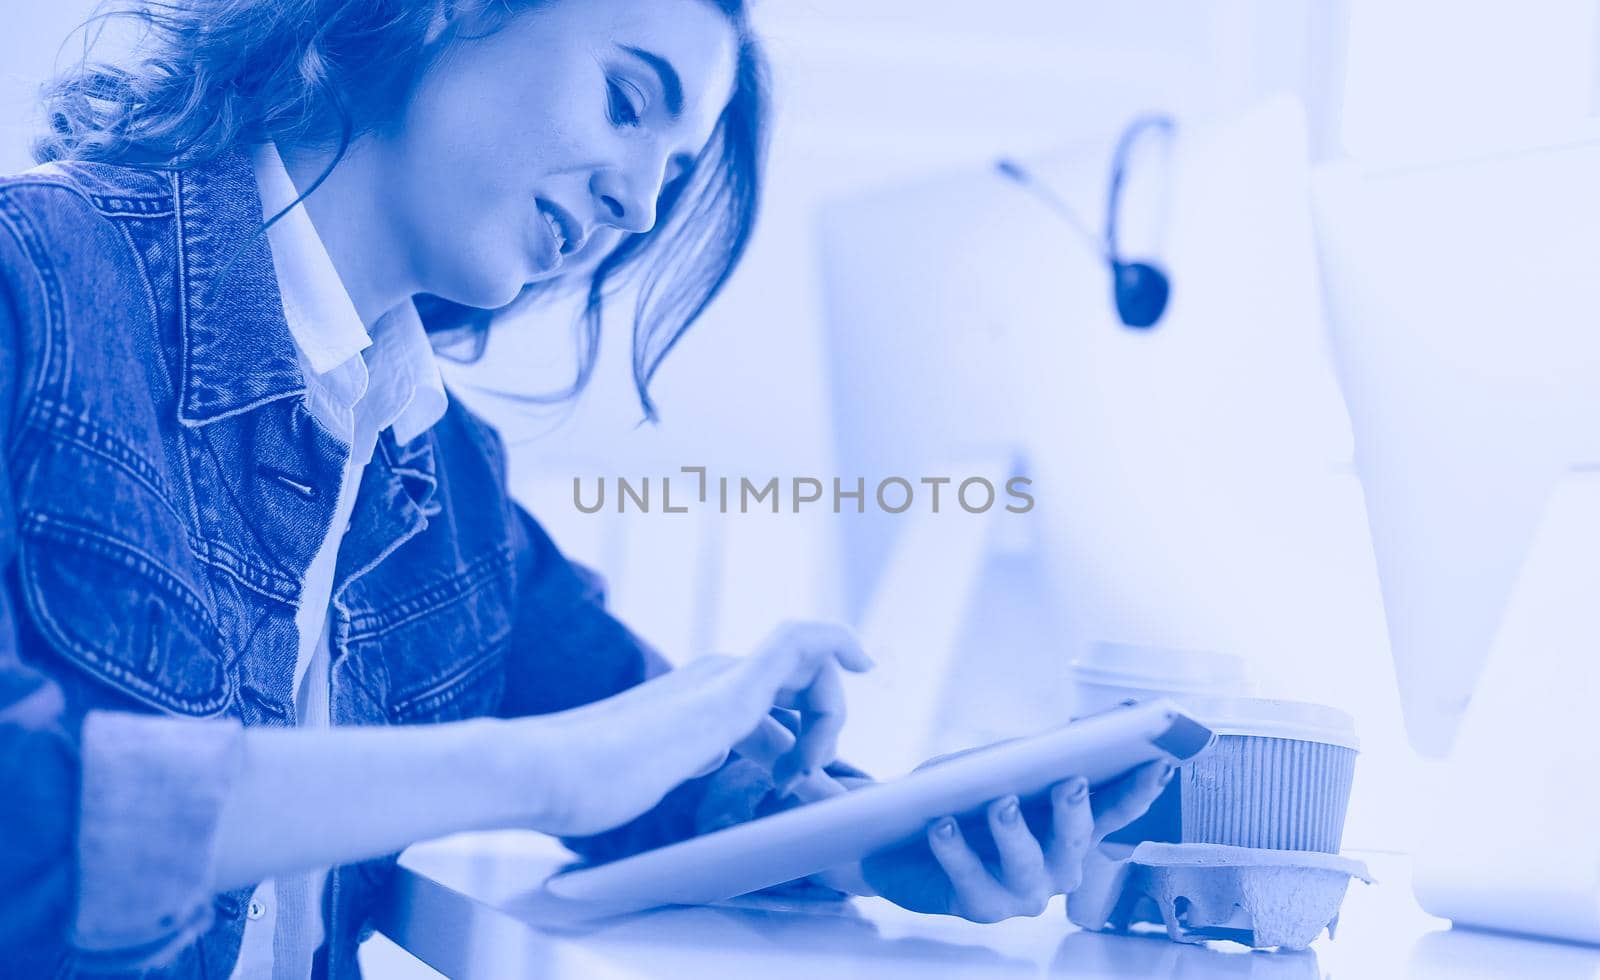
{"points": [[671, 84]]}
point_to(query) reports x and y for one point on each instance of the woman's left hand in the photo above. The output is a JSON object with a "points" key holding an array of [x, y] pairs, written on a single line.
{"points": [[1013, 858]]}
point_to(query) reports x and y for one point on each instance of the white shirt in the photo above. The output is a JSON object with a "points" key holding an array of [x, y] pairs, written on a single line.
{"points": [[357, 385]]}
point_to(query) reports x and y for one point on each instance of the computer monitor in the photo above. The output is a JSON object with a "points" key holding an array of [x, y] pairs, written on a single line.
{"points": [[1462, 298]]}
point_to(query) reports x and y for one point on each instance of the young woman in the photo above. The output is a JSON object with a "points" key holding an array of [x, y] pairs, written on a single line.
{"points": [[269, 612]]}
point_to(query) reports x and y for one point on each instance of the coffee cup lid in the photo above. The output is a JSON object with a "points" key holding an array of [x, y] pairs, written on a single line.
{"points": [[1165, 669], [1269, 718]]}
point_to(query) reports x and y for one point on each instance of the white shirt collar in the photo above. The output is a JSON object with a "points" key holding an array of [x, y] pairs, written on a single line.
{"points": [[408, 392], [405, 366]]}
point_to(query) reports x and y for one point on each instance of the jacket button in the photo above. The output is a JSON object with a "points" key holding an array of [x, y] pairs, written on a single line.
{"points": [[255, 910]]}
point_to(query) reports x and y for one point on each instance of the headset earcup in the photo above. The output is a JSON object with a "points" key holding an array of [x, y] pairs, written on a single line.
{"points": [[1141, 292]]}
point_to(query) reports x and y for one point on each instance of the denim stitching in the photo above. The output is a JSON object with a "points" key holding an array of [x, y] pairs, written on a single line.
{"points": [[181, 265], [445, 690], [145, 279], [106, 206], [80, 431], [268, 583], [70, 532], [116, 207], [46, 527], [76, 177], [463, 584], [14, 218]]}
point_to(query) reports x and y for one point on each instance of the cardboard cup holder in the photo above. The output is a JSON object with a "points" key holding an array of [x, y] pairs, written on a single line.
{"points": [[1256, 859], [1261, 897]]}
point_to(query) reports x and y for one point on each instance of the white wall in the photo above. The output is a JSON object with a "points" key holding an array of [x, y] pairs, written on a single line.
{"points": [[34, 35]]}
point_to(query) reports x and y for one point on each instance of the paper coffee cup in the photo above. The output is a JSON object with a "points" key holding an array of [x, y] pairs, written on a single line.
{"points": [[1111, 673], [1278, 776]]}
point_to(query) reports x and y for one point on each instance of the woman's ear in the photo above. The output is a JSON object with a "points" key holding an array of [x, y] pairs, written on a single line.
{"points": [[465, 17], [444, 11]]}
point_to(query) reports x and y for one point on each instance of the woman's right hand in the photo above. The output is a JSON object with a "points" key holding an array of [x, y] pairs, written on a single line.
{"points": [[598, 766]]}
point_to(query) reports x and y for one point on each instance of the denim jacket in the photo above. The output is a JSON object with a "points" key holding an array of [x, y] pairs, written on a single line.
{"points": [[164, 485]]}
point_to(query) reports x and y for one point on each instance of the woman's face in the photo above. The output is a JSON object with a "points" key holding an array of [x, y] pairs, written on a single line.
{"points": [[540, 145]]}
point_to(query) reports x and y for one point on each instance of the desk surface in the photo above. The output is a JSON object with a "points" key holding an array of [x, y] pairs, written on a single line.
{"points": [[457, 905]]}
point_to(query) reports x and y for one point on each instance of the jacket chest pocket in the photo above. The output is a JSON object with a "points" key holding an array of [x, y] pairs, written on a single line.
{"points": [[111, 608], [440, 649]]}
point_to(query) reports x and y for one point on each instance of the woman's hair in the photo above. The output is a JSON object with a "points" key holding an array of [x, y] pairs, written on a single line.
{"points": [[213, 74]]}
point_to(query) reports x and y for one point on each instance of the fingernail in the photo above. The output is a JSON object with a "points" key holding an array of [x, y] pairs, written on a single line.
{"points": [[1078, 790], [945, 828], [1166, 775], [1009, 811]]}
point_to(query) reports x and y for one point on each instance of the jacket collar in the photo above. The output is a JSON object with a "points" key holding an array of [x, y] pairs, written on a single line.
{"points": [[237, 350]]}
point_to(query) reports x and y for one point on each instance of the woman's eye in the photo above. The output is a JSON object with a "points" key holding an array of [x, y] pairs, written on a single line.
{"points": [[623, 110]]}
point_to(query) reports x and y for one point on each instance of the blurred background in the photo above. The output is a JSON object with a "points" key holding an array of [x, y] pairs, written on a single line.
{"points": [[1327, 462]]}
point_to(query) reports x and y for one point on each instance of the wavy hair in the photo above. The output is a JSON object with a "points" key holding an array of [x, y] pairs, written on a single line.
{"points": [[209, 75]]}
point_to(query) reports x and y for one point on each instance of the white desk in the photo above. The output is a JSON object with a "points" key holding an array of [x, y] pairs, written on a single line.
{"points": [[456, 901]]}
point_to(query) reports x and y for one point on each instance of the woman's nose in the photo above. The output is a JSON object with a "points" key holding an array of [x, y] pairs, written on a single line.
{"points": [[627, 204]]}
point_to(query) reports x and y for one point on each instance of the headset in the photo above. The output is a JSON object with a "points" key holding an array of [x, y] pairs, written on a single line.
{"points": [[1141, 289]]}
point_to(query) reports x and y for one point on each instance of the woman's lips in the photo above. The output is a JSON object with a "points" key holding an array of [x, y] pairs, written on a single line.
{"points": [[569, 236], [555, 231]]}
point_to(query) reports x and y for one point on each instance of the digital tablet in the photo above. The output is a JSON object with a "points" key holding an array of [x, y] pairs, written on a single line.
{"points": [[771, 850]]}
